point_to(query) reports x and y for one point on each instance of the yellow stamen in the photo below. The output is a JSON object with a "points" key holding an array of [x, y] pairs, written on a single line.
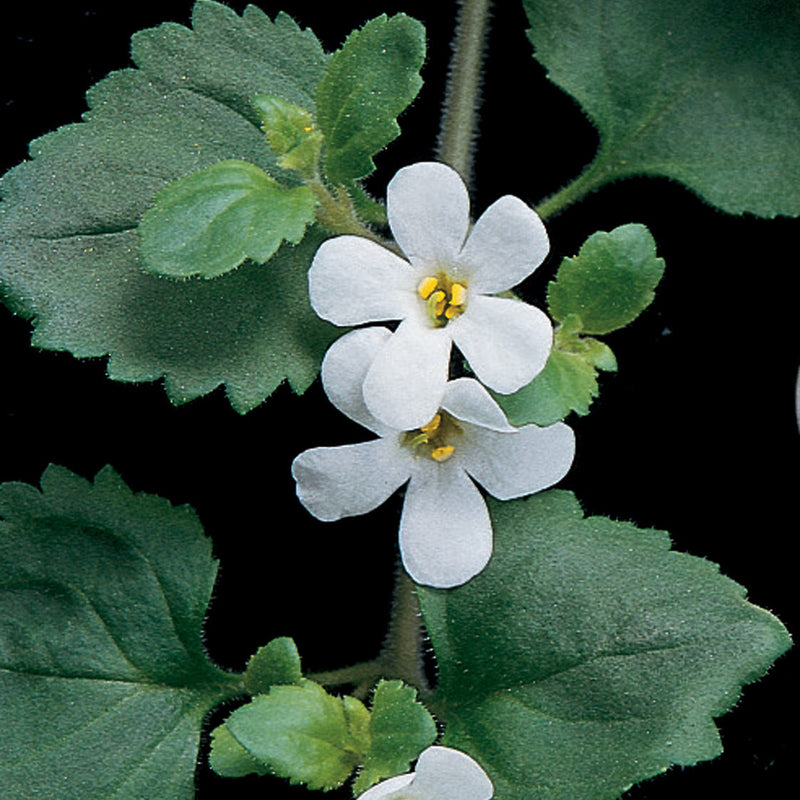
{"points": [[426, 287], [458, 294], [442, 453], [433, 425]]}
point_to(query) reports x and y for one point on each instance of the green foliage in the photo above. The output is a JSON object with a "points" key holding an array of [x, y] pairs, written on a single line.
{"points": [[229, 759], [277, 662], [610, 282], [68, 228], [400, 728], [567, 383], [211, 221], [607, 658], [291, 134], [605, 287], [367, 84], [302, 733], [685, 91], [104, 679]]}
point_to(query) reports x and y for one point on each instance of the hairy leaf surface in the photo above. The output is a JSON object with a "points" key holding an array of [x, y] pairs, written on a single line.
{"points": [[706, 94], [588, 656], [68, 228], [103, 675], [369, 82]]}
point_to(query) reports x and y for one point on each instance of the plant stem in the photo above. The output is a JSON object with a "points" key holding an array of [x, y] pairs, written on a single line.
{"points": [[596, 174], [402, 648], [459, 119]]}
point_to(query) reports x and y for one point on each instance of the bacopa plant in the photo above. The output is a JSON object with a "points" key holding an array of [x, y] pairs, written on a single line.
{"points": [[216, 220]]}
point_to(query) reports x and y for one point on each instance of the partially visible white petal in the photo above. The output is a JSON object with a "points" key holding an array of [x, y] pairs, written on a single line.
{"points": [[507, 244], [467, 400], [506, 342], [406, 382], [443, 773], [512, 465], [388, 789], [445, 530], [353, 280], [428, 209], [336, 482], [343, 371]]}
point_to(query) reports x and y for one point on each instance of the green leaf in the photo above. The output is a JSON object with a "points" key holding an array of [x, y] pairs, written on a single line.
{"points": [[607, 658], [706, 95], [211, 221], [400, 728], [229, 759], [277, 662], [603, 288], [103, 675], [610, 282], [291, 134], [368, 83], [69, 216], [567, 383], [302, 733]]}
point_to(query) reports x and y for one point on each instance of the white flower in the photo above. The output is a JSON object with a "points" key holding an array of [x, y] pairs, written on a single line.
{"points": [[441, 774], [443, 293], [445, 530]]}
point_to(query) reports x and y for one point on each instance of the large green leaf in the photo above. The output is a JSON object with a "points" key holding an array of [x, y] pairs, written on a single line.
{"points": [[703, 92], [103, 676], [588, 656], [68, 238], [368, 83]]}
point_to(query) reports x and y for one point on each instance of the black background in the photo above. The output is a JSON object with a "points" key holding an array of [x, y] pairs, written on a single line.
{"points": [[696, 433]]}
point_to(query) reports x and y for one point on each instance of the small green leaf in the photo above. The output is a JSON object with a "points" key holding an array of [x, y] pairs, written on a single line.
{"points": [[103, 676], [291, 133], [367, 84], [302, 733], [277, 662], [567, 383], [229, 759], [400, 729], [607, 659], [704, 94], [209, 222], [610, 282]]}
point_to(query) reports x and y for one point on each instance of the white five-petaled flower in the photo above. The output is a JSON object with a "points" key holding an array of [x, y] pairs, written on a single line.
{"points": [[445, 529], [441, 774], [443, 294]]}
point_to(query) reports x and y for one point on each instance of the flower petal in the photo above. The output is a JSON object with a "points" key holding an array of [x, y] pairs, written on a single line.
{"points": [[507, 244], [336, 482], [468, 401], [343, 371], [445, 530], [406, 383], [428, 209], [388, 788], [514, 464], [506, 342], [353, 280], [443, 773]]}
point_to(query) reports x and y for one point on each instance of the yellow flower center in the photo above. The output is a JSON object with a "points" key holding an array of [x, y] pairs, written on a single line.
{"points": [[434, 440], [445, 299]]}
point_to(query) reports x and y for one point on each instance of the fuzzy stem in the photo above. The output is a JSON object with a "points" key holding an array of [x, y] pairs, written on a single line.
{"points": [[462, 96], [402, 648]]}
